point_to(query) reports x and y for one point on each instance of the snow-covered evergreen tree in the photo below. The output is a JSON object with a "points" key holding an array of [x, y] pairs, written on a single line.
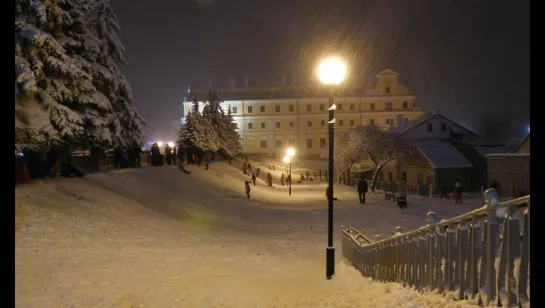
{"points": [[68, 85]]}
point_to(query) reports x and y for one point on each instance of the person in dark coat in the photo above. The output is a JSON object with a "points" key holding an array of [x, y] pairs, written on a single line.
{"points": [[96, 153], [253, 178], [443, 192], [174, 154], [247, 188], [181, 155], [155, 155], [457, 194], [137, 151], [363, 187], [168, 154]]}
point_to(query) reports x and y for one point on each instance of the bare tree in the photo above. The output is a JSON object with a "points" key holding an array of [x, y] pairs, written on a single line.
{"points": [[378, 145], [495, 128]]}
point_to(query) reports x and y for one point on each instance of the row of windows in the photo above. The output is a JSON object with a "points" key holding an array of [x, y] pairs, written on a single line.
{"points": [[310, 143], [291, 108], [351, 122]]}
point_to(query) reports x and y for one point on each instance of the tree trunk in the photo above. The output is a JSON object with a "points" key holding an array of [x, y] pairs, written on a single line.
{"points": [[377, 170]]}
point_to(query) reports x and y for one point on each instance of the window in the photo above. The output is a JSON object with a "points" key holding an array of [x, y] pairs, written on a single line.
{"points": [[263, 144], [405, 120], [371, 121], [263, 125], [430, 127], [277, 108], [387, 90], [352, 106], [322, 123], [443, 127], [372, 106], [309, 108], [340, 106], [309, 123], [341, 122], [277, 124], [389, 106], [235, 110], [262, 108], [278, 143], [291, 123], [250, 109], [322, 143], [250, 125], [405, 105], [291, 108], [351, 122], [309, 144], [390, 121], [322, 107]]}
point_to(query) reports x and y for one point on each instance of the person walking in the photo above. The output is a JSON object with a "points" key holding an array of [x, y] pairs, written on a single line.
{"points": [[402, 194], [363, 187], [457, 194], [253, 178], [247, 187]]}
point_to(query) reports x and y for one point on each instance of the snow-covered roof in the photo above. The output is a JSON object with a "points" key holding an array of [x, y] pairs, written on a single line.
{"points": [[507, 154], [273, 93], [442, 154], [455, 127], [485, 150]]}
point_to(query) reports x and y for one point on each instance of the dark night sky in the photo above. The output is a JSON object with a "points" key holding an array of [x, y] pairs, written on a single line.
{"points": [[462, 57]]}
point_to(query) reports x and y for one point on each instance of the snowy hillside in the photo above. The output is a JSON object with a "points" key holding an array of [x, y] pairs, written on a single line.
{"points": [[157, 237]]}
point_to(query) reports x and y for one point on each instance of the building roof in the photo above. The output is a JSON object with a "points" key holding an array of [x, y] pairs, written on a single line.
{"points": [[442, 154], [491, 149], [404, 127], [273, 93], [508, 155]]}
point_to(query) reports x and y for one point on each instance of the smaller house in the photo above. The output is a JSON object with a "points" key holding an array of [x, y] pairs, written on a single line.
{"points": [[511, 170]]}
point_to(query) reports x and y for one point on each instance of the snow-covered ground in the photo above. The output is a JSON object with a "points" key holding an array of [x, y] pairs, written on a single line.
{"points": [[157, 237]]}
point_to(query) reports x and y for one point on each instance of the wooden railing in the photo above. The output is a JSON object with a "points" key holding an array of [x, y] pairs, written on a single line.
{"points": [[467, 255]]}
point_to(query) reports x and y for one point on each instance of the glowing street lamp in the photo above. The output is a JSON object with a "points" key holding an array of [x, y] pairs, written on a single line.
{"points": [[290, 152], [160, 143], [331, 71]]}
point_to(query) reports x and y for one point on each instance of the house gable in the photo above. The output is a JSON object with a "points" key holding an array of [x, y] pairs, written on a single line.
{"points": [[524, 146], [434, 127]]}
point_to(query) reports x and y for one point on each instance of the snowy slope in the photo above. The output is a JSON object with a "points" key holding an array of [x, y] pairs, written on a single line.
{"points": [[157, 237]]}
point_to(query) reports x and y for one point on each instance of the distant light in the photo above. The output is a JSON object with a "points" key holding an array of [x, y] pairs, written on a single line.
{"points": [[171, 144], [290, 152], [331, 71], [160, 143], [20, 154], [286, 159], [528, 128]]}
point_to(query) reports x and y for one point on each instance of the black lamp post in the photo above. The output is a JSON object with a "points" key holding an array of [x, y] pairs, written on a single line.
{"points": [[330, 250], [331, 72]]}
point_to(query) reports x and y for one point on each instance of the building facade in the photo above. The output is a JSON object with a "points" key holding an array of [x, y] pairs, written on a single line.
{"points": [[271, 119]]}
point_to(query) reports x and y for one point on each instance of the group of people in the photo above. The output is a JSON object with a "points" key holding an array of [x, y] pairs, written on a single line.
{"points": [[456, 194], [158, 159]]}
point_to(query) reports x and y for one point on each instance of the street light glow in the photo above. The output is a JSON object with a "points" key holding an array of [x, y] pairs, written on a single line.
{"points": [[160, 143], [171, 144], [331, 71], [286, 159], [290, 152]]}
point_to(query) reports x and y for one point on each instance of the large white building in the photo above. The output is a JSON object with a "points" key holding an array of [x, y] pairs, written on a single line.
{"points": [[272, 119]]}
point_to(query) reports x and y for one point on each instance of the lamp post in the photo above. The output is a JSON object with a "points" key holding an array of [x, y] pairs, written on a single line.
{"points": [[287, 160], [290, 153], [331, 72]]}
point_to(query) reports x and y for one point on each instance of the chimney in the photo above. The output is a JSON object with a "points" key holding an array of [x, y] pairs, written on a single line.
{"points": [[246, 81], [232, 83], [284, 81], [435, 112], [209, 83]]}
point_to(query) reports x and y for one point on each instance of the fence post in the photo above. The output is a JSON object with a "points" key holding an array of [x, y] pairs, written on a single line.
{"points": [[450, 257], [510, 250], [474, 255], [463, 241], [492, 240], [431, 190], [432, 240], [523, 290]]}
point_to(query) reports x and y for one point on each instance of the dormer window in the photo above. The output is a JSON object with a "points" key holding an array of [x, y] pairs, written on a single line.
{"points": [[430, 127]]}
